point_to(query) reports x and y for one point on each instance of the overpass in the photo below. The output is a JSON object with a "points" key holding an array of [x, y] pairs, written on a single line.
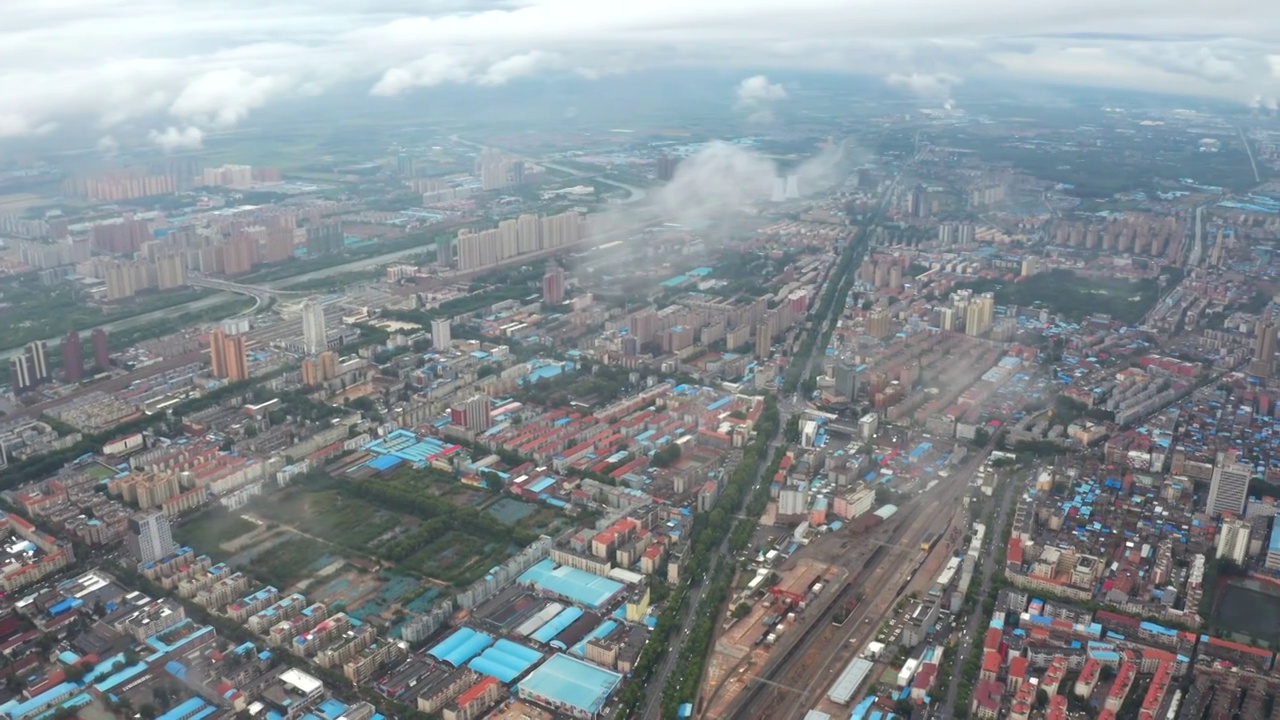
{"points": [[262, 295]]}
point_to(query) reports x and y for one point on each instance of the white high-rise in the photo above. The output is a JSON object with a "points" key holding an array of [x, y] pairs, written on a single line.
{"points": [[1229, 488], [1233, 541], [315, 339], [441, 334], [149, 537]]}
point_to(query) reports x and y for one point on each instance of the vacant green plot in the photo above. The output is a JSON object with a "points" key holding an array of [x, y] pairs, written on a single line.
{"points": [[207, 531], [510, 511], [456, 558], [348, 522], [98, 471], [288, 562]]}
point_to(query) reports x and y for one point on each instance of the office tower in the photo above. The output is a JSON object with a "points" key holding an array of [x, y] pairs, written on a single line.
{"points": [[846, 379], [441, 334], [315, 339], [38, 354], [1233, 541], [72, 357], [1264, 350], [1229, 488], [227, 358], [472, 413], [553, 286], [667, 167], [150, 538], [101, 352]]}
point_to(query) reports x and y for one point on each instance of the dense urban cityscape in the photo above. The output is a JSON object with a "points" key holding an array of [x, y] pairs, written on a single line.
{"points": [[812, 401]]}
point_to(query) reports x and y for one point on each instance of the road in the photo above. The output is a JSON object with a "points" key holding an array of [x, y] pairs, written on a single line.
{"points": [[636, 193], [972, 626], [226, 297], [1247, 148], [653, 699]]}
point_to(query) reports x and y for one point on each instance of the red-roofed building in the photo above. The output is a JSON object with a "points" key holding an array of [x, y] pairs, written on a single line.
{"points": [[992, 640], [1014, 557], [475, 700], [1057, 708], [986, 699], [1088, 679], [1120, 688], [1156, 692], [990, 665], [924, 681], [1018, 665]]}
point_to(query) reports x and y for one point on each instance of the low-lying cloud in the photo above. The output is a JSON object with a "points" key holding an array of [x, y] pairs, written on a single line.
{"points": [[211, 65], [757, 97], [171, 138]]}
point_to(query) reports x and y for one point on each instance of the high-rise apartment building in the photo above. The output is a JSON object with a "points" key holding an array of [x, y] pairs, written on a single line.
{"points": [[328, 365], [667, 167], [315, 339], [1229, 488], [846, 379], [472, 413], [441, 334], [150, 538], [38, 360], [878, 323], [980, 315], [72, 357], [19, 374], [1264, 350], [1233, 541], [553, 286], [101, 350], [227, 357], [171, 272]]}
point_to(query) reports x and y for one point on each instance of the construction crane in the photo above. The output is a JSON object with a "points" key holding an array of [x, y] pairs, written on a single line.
{"points": [[792, 599]]}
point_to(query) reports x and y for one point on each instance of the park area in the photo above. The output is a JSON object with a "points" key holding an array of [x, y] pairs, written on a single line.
{"points": [[375, 546], [1249, 610]]}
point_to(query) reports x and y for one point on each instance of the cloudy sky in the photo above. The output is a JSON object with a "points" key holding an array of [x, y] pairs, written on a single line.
{"points": [[177, 69]]}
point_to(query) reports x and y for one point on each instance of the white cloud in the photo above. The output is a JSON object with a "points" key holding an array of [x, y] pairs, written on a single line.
{"points": [[210, 65], [757, 96], [758, 89], [929, 86], [188, 138], [224, 97], [108, 145]]}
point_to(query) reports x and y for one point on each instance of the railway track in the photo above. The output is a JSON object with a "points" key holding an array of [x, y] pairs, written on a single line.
{"points": [[762, 700]]}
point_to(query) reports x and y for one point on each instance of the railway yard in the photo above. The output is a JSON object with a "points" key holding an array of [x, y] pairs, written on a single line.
{"points": [[862, 577]]}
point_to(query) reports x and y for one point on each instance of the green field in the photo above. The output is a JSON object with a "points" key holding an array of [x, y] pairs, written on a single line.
{"points": [[207, 531], [347, 522], [288, 562], [32, 310]]}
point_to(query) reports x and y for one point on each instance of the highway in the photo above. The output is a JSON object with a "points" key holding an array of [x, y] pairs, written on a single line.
{"points": [[636, 193]]}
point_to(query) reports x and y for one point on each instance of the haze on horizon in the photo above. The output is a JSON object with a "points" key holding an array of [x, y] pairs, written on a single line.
{"points": [[169, 72]]}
